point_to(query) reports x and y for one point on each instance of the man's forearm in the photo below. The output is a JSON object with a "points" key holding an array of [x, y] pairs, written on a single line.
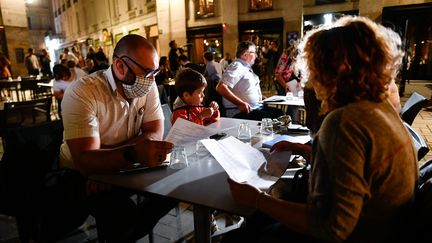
{"points": [[229, 95]]}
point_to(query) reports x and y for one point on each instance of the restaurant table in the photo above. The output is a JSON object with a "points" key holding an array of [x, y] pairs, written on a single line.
{"points": [[202, 184], [10, 85], [283, 100]]}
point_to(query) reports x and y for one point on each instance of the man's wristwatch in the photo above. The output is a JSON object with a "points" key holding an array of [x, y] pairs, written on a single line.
{"points": [[129, 154]]}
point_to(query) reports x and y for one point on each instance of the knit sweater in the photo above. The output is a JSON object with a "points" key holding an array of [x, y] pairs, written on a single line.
{"points": [[363, 174]]}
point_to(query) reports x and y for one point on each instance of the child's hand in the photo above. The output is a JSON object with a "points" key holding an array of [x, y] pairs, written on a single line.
{"points": [[214, 105], [207, 113]]}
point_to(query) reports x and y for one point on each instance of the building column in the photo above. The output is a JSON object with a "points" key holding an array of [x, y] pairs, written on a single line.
{"points": [[293, 19], [229, 12], [371, 9], [171, 21]]}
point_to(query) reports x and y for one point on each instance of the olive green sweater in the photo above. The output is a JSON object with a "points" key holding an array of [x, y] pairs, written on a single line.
{"points": [[363, 174]]}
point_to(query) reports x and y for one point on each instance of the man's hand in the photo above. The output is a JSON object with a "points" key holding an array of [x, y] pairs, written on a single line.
{"points": [[152, 153], [245, 107]]}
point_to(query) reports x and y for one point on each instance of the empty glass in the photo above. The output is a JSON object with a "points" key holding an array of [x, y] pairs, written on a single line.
{"points": [[244, 133], [289, 95], [178, 159], [266, 126], [200, 149]]}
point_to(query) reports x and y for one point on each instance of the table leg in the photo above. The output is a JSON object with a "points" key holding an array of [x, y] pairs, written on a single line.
{"points": [[202, 224]]}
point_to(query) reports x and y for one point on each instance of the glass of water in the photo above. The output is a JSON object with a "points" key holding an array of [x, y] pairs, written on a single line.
{"points": [[244, 133], [178, 159], [266, 126]]}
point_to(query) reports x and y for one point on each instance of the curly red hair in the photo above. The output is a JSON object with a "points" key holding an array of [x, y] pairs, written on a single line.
{"points": [[354, 60]]}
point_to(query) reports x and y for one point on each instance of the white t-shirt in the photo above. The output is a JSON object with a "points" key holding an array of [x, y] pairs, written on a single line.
{"points": [[92, 107], [243, 82]]}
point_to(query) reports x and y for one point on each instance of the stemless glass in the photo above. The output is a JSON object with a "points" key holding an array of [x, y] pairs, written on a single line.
{"points": [[244, 133], [266, 126], [201, 150], [178, 159]]}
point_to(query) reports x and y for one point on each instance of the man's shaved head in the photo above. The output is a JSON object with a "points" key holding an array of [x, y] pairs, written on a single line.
{"points": [[130, 43]]}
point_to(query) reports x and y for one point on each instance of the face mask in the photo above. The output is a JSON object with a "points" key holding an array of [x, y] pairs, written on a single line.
{"points": [[138, 89]]}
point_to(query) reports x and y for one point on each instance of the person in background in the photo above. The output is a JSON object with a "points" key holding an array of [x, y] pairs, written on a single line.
{"points": [[77, 53], [91, 54], [185, 63], [364, 167], [62, 79], [45, 62], [213, 74], [240, 87], [4, 67], [225, 61], [89, 67], [173, 57], [76, 72], [287, 74], [4, 73], [165, 73], [32, 63], [188, 105], [113, 120], [271, 57], [70, 56], [101, 57]]}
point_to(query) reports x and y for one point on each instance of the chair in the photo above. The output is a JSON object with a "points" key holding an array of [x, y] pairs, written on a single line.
{"points": [[412, 107], [44, 210], [419, 218], [419, 142], [163, 97], [28, 84], [167, 122]]}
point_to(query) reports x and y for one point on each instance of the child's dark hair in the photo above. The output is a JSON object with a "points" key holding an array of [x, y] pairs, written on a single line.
{"points": [[189, 80]]}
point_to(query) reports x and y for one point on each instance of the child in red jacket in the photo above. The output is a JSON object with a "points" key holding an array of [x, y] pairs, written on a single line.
{"points": [[190, 87]]}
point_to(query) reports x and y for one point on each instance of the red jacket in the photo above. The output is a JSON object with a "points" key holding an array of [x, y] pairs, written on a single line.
{"points": [[192, 113]]}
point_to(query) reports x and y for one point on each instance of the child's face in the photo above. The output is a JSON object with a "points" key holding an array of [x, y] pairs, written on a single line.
{"points": [[196, 98]]}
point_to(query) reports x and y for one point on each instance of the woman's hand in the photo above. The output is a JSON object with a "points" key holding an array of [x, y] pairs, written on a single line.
{"points": [[244, 193], [304, 150]]}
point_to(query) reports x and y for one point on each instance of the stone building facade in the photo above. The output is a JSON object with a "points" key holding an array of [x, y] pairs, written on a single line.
{"points": [[218, 24]]}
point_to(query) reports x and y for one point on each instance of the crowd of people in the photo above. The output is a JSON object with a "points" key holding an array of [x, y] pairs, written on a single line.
{"points": [[363, 165]]}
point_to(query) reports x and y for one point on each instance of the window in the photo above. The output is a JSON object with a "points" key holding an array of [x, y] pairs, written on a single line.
{"points": [[204, 8], [75, 1], [68, 3], [258, 5]]}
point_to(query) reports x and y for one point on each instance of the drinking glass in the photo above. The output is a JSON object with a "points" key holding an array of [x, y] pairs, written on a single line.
{"points": [[201, 150], [244, 133], [178, 159], [289, 95], [266, 126]]}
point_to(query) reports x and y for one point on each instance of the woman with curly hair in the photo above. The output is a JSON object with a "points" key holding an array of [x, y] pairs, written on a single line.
{"points": [[364, 167]]}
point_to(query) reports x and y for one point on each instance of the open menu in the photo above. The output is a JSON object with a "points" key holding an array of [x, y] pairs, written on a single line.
{"points": [[244, 163]]}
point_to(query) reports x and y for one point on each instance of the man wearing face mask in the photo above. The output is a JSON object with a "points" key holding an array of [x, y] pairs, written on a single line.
{"points": [[113, 120]]}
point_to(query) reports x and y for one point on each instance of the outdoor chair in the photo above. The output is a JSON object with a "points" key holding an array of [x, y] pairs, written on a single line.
{"points": [[167, 122], [32, 188], [419, 220], [419, 142], [412, 107]]}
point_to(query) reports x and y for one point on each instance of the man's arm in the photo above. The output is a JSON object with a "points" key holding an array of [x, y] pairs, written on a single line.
{"points": [[90, 159], [229, 95]]}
